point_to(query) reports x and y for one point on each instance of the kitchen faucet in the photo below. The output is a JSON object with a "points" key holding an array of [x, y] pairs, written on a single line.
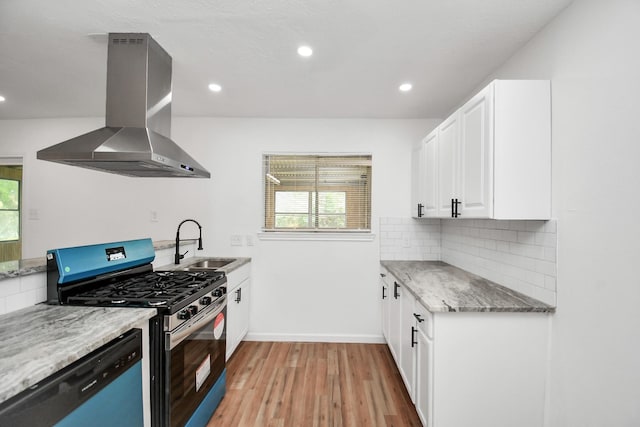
{"points": [[178, 255]]}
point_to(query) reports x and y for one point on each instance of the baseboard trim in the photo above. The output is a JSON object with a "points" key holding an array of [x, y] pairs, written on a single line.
{"points": [[362, 339]]}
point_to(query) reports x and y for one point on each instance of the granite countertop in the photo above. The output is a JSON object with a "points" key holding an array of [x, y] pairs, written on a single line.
{"points": [[441, 287], [237, 263], [42, 339], [24, 267]]}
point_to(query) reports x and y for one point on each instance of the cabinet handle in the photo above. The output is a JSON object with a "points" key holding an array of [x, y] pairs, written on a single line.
{"points": [[418, 317], [238, 295], [383, 294], [395, 290], [453, 214], [455, 202], [383, 275], [420, 207], [413, 334]]}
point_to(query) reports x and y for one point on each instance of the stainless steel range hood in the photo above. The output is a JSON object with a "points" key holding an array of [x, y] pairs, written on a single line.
{"points": [[135, 140]]}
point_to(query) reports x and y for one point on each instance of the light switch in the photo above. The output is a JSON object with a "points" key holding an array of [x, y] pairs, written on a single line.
{"points": [[236, 240]]}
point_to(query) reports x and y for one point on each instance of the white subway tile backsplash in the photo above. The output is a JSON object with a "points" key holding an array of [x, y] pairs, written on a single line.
{"points": [[9, 286], [518, 254], [422, 236]]}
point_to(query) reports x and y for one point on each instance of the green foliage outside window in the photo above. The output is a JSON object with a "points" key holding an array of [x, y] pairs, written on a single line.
{"points": [[9, 210], [297, 209]]}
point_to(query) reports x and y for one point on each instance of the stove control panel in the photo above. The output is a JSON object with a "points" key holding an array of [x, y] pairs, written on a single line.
{"points": [[201, 301]]}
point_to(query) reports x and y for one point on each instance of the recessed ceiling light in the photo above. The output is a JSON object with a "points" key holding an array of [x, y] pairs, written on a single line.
{"points": [[214, 87], [405, 87], [2, 98], [305, 51]]}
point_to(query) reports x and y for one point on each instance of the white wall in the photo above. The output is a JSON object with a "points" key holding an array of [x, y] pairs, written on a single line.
{"points": [[591, 54], [300, 290]]}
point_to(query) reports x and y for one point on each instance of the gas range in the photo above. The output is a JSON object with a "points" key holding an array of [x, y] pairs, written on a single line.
{"points": [[179, 294], [166, 290], [187, 341]]}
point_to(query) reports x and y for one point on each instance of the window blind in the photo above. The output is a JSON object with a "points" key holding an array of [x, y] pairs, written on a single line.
{"points": [[305, 192]]}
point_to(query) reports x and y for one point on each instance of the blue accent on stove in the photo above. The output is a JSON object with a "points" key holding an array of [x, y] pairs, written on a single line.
{"points": [[203, 413], [83, 262]]}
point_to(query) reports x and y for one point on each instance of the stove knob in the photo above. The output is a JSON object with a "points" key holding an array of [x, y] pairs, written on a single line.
{"points": [[184, 314], [224, 289], [205, 300], [193, 310], [217, 293]]}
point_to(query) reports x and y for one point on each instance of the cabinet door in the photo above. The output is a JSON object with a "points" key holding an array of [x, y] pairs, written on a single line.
{"points": [[418, 181], [424, 379], [244, 297], [237, 316], [447, 164], [386, 297], [395, 314], [430, 183], [476, 156], [407, 346]]}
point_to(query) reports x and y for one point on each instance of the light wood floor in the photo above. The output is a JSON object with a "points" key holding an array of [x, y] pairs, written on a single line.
{"points": [[313, 384]]}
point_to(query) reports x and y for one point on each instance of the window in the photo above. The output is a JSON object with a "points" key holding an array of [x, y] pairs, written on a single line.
{"points": [[9, 210], [317, 193]]}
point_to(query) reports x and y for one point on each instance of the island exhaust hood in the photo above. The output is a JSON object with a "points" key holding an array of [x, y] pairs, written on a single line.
{"points": [[135, 140]]}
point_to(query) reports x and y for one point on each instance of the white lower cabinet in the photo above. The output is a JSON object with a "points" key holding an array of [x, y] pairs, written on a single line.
{"points": [[385, 304], [481, 369], [407, 341], [391, 304], [238, 293]]}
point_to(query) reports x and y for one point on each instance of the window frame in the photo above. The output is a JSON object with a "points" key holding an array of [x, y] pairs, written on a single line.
{"points": [[315, 233]]}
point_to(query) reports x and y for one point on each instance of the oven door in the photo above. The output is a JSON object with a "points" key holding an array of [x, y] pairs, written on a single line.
{"points": [[195, 375]]}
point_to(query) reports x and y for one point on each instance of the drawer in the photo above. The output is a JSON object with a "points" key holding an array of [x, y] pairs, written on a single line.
{"points": [[426, 325]]}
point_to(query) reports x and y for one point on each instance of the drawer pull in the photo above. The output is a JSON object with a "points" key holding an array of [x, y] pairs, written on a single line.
{"points": [[418, 317]]}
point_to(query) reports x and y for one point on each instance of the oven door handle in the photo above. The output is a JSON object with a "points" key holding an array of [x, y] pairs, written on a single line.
{"points": [[174, 338]]}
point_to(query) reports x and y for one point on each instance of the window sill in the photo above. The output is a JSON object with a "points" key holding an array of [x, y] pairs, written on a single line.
{"points": [[320, 236]]}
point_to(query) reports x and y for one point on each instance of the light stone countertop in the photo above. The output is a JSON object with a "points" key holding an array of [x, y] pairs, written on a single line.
{"points": [[23, 267], [42, 339], [441, 287]]}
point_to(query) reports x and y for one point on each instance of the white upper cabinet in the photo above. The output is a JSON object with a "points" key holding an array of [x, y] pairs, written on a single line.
{"points": [[430, 186], [424, 169], [448, 164], [475, 192], [493, 155], [418, 180]]}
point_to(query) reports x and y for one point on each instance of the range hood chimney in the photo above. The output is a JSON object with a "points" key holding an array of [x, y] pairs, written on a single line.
{"points": [[136, 139]]}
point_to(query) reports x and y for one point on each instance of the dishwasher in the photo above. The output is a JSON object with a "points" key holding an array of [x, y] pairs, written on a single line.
{"points": [[104, 388]]}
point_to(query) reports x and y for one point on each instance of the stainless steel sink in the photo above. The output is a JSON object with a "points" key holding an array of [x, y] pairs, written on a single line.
{"points": [[209, 264]]}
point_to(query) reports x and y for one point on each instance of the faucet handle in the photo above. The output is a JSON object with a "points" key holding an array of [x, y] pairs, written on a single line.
{"points": [[182, 255]]}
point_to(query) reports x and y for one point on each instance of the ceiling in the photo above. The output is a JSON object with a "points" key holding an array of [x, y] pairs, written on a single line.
{"points": [[53, 53]]}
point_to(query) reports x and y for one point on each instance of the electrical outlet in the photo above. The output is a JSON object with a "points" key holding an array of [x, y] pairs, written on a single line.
{"points": [[236, 240], [249, 239], [34, 214], [405, 242], [153, 216]]}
